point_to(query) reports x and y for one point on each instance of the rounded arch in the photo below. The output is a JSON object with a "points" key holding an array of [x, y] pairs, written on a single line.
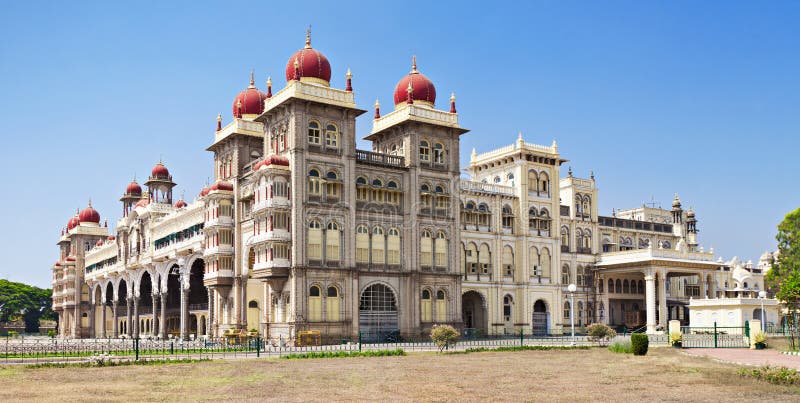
{"points": [[378, 312]]}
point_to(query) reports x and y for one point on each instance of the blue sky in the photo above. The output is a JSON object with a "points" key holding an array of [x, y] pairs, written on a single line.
{"points": [[699, 98]]}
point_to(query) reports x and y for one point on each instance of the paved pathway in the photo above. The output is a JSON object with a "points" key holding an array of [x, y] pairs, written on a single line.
{"points": [[747, 356]]}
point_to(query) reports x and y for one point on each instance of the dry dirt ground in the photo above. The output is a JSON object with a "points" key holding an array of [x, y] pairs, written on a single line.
{"points": [[594, 375]]}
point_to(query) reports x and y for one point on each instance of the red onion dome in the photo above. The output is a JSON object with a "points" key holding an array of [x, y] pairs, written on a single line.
{"points": [[422, 89], [311, 65], [180, 204], [220, 185], [111, 238], [73, 222], [204, 191], [99, 242], [250, 101], [160, 171], [144, 202], [272, 160], [71, 258], [57, 264], [133, 189], [89, 214]]}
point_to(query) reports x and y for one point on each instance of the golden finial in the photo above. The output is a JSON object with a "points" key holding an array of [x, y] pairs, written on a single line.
{"points": [[252, 79], [90, 202], [219, 117], [414, 64], [348, 75], [452, 97], [377, 104], [269, 81], [308, 37]]}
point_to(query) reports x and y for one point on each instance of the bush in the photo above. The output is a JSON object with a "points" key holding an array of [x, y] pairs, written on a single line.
{"points": [[600, 332], [675, 337], [639, 344], [444, 336], [51, 333], [773, 375], [759, 337], [523, 348], [623, 347], [340, 354]]}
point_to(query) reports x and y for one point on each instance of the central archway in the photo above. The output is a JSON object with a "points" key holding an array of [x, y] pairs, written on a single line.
{"points": [[540, 318], [377, 314], [473, 312]]}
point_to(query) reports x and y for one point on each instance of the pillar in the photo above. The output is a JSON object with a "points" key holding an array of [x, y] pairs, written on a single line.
{"points": [[154, 327], [162, 329], [650, 300], [128, 328], [136, 317], [184, 311], [712, 285], [662, 299], [115, 326], [103, 320], [237, 305], [92, 330], [210, 317]]}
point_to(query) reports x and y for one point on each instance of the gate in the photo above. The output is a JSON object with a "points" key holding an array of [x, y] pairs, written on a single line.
{"points": [[716, 336], [540, 323]]}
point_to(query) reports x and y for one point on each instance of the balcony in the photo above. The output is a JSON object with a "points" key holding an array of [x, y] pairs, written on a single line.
{"points": [[220, 277], [489, 188], [221, 221], [272, 203], [369, 157], [276, 235], [272, 264], [218, 250], [275, 268]]}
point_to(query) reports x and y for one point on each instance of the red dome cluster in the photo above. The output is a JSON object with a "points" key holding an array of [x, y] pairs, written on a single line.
{"points": [[180, 204], [134, 189], [73, 222], [422, 89], [159, 171], [89, 214], [111, 238], [219, 185], [271, 160], [250, 101], [311, 63], [99, 242]]}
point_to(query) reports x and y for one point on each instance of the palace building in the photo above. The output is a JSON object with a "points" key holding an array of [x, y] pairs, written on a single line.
{"points": [[302, 231]]}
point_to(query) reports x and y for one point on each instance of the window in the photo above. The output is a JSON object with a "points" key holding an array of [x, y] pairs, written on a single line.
{"points": [[544, 261], [441, 307], [314, 183], [533, 257], [424, 151], [566, 310], [393, 243], [564, 239], [508, 218], [426, 249], [565, 274], [508, 261], [618, 286], [332, 185], [313, 133], [641, 287], [441, 249], [507, 301], [438, 153], [625, 287], [314, 304], [484, 259], [425, 306], [362, 191], [378, 246], [543, 183], [471, 259], [580, 276], [533, 222], [362, 244], [332, 242], [332, 303], [314, 240], [533, 181], [331, 136]]}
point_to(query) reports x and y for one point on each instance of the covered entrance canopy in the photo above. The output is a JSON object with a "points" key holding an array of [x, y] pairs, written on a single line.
{"points": [[657, 266]]}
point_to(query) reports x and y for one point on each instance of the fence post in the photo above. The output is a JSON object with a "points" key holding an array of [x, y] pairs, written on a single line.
{"points": [[136, 347], [359, 340], [520, 338], [715, 334], [624, 330], [747, 328], [258, 346], [172, 347]]}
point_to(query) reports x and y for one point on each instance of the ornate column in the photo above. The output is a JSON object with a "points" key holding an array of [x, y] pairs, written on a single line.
{"points": [[663, 319], [115, 326], [184, 273], [210, 317], [92, 330], [237, 305], [136, 317], [162, 324], [156, 324], [650, 299], [103, 319], [128, 325]]}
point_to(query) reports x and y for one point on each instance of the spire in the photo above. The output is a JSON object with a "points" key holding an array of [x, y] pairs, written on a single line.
{"points": [[90, 203], [296, 69], [409, 90], [414, 64], [569, 171], [591, 175], [219, 127], [348, 76], [308, 37], [252, 79], [452, 102], [377, 109], [269, 87]]}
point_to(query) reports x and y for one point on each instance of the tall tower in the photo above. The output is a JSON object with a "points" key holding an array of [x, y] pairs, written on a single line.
{"points": [[691, 230], [160, 184], [132, 195]]}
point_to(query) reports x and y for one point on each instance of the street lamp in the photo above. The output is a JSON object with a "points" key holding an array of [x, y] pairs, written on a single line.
{"points": [[763, 295], [571, 288]]}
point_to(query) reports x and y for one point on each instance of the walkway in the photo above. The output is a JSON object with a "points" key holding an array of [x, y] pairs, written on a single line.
{"points": [[745, 356]]}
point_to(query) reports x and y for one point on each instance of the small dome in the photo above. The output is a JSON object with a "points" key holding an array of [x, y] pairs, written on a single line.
{"points": [[250, 101], [690, 213], [70, 258], [89, 215], [271, 160], [111, 238], [220, 185], [311, 64], [160, 171], [134, 189], [422, 88], [180, 204], [99, 242], [143, 203], [676, 202], [73, 222]]}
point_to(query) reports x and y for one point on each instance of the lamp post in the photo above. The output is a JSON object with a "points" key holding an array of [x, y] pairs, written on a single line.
{"points": [[763, 295], [571, 288]]}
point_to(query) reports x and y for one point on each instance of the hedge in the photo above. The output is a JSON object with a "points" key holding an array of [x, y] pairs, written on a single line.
{"points": [[639, 344]]}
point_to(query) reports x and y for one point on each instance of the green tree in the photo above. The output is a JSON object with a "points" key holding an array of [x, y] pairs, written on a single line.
{"points": [[21, 301], [784, 277], [444, 336]]}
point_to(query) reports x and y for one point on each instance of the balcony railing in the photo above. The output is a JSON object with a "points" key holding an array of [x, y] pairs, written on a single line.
{"points": [[369, 157]]}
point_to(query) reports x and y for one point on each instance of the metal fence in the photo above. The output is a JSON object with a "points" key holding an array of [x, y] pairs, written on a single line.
{"points": [[715, 336]]}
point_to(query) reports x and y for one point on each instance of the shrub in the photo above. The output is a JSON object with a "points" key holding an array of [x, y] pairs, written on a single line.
{"points": [[639, 344], [623, 347], [773, 375], [675, 337], [51, 333], [444, 336], [759, 337], [340, 354], [600, 332], [523, 348]]}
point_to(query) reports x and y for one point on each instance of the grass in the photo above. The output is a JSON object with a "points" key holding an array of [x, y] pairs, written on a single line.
{"points": [[524, 348], [552, 375], [113, 363], [621, 347], [341, 354]]}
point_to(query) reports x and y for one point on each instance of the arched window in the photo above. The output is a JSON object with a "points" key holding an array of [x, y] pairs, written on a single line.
{"points": [[441, 307], [545, 261], [314, 182], [508, 261], [314, 240], [484, 259], [625, 287], [533, 258], [507, 302], [314, 304], [580, 313], [471, 258], [544, 183], [362, 191], [600, 286], [332, 136], [587, 239], [533, 181], [393, 246], [313, 132], [565, 274], [440, 247], [332, 185], [497, 179], [332, 303], [378, 246], [579, 276], [438, 153], [641, 287], [610, 285], [564, 239], [618, 286], [362, 244], [508, 218], [566, 310], [426, 249], [533, 221], [424, 151], [332, 242], [426, 306]]}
